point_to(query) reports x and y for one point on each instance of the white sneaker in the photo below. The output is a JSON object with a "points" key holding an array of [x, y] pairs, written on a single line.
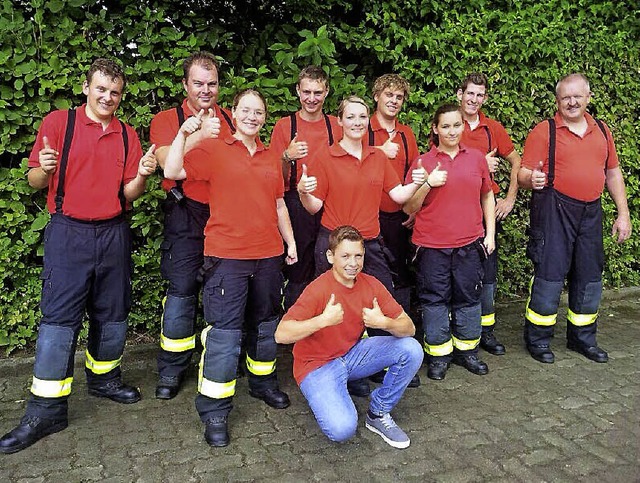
{"points": [[386, 427]]}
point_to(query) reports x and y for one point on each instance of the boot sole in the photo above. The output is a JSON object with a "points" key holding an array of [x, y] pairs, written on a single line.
{"points": [[274, 406], [390, 442], [115, 399]]}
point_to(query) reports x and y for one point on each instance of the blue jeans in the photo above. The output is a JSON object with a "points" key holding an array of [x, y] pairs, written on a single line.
{"points": [[326, 387]]}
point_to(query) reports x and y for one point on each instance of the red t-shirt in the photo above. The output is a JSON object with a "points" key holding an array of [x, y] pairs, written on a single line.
{"points": [[163, 130], [580, 161], [403, 159], [487, 136], [451, 215], [331, 342], [352, 189], [96, 166], [242, 190], [315, 134]]}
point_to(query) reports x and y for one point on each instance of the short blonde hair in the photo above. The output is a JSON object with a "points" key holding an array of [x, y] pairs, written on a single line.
{"points": [[351, 100]]}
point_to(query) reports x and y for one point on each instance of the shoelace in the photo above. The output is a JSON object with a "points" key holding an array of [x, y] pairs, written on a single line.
{"points": [[387, 421], [31, 421]]}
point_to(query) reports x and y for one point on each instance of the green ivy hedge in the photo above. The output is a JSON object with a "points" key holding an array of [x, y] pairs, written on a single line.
{"points": [[523, 46]]}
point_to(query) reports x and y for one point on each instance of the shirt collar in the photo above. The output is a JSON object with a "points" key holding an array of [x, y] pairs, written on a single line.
{"points": [[336, 150]]}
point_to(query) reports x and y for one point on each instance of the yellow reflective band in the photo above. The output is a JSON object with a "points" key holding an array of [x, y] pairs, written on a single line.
{"points": [[177, 345], [216, 390], [260, 368], [42, 388], [488, 320], [581, 319], [439, 350], [465, 345], [537, 319], [100, 367]]}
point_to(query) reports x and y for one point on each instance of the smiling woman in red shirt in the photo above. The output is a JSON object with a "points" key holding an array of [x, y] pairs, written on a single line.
{"points": [[452, 244], [348, 179], [243, 258]]}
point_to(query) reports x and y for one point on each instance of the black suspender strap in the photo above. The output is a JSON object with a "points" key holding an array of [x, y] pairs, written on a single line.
{"points": [[293, 174], [125, 141], [486, 129], [329, 130], [552, 153], [180, 113], [606, 139], [64, 160], [406, 154], [294, 126], [181, 119], [552, 148], [68, 136], [228, 119]]}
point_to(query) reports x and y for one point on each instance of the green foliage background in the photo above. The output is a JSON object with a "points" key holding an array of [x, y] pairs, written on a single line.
{"points": [[524, 46]]}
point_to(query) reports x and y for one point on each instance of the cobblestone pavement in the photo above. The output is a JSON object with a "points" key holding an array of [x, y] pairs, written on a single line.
{"points": [[574, 420]]}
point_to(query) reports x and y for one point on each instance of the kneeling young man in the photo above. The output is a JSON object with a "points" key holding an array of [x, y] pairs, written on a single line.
{"points": [[326, 324]]}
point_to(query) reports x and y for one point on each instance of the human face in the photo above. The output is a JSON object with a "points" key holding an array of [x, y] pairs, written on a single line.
{"points": [[389, 102], [572, 99], [201, 88], [346, 260], [354, 121], [471, 100], [449, 130], [103, 96], [249, 115], [312, 94]]}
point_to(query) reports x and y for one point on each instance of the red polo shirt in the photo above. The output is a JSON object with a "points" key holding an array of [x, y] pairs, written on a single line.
{"points": [[329, 343], [242, 190], [580, 161], [451, 215], [352, 189], [96, 165], [163, 130], [402, 161], [487, 136], [315, 134]]}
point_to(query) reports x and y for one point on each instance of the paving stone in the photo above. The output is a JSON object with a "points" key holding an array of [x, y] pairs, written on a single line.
{"points": [[525, 421]]}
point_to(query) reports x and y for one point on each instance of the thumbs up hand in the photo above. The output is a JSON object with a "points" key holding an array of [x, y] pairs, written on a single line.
{"points": [[210, 126], [333, 314], [192, 124], [538, 178], [373, 317], [48, 157], [148, 162], [297, 149], [492, 160], [390, 148], [437, 177], [307, 184], [419, 175]]}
